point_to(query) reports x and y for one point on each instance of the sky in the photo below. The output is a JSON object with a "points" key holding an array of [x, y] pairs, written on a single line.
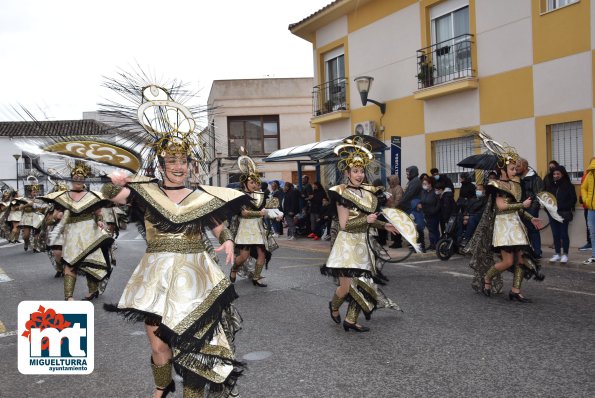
{"points": [[54, 54]]}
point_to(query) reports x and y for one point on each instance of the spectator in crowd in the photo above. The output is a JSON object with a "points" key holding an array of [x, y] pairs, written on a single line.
{"points": [[563, 190], [291, 207], [472, 212], [467, 190], [587, 246], [396, 195], [548, 180], [492, 176], [323, 226], [316, 197], [431, 209], [531, 185], [588, 195], [276, 192], [306, 191], [412, 190], [264, 187], [446, 203], [417, 215], [442, 177]]}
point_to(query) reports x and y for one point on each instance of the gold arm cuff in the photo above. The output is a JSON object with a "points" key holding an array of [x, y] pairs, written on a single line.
{"points": [[514, 207], [110, 190], [359, 224], [526, 215], [251, 214], [225, 235], [379, 224]]}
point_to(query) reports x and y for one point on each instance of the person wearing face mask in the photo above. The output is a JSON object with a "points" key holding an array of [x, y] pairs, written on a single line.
{"points": [[531, 185], [435, 173], [446, 204], [474, 208], [412, 190], [563, 190], [431, 208]]}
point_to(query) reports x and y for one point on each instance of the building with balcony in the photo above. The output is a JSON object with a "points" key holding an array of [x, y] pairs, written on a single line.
{"points": [[262, 115], [520, 70]]}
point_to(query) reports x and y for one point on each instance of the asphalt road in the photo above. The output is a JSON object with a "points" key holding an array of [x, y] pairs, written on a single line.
{"points": [[447, 342]]}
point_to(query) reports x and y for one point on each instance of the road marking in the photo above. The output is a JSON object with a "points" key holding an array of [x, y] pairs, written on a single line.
{"points": [[11, 245], [4, 277], [571, 291], [301, 266], [458, 274], [406, 265]]}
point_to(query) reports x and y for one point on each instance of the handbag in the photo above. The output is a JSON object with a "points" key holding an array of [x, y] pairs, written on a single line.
{"points": [[567, 215]]}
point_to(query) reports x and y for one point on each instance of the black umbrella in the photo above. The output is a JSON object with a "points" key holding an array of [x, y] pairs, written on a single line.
{"points": [[483, 161]]}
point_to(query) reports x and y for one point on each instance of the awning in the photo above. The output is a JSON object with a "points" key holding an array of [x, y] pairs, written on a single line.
{"points": [[320, 150]]}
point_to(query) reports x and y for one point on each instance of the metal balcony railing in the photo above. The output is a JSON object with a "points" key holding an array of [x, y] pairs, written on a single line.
{"points": [[330, 97], [26, 170], [445, 61]]}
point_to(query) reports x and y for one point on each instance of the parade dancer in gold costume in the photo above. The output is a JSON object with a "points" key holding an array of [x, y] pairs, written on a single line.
{"points": [[501, 229], [250, 233], [351, 258], [32, 219]]}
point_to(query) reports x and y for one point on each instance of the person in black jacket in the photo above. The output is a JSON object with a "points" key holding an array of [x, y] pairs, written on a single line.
{"points": [[472, 212], [412, 190], [431, 209], [315, 199], [563, 190], [467, 190], [446, 203], [291, 207], [277, 193], [548, 180], [531, 185], [442, 177]]}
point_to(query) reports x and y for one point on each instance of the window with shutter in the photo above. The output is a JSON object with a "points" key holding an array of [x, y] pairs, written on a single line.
{"points": [[566, 140]]}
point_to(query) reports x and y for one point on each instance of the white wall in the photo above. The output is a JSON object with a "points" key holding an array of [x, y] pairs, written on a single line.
{"points": [[452, 111], [331, 32], [517, 133], [8, 169]]}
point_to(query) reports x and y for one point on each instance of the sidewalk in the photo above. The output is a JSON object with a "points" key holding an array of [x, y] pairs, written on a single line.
{"points": [[575, 257]]}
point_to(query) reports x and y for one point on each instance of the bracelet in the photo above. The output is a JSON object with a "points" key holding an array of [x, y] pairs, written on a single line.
{"points": [[110, 190], [225, 235]]}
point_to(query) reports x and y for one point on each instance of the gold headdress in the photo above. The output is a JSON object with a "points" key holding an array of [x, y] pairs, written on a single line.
{"points": [[80, 169], [170, 123], [353, 153], [33, 187], [505, 154], [247, 167]]}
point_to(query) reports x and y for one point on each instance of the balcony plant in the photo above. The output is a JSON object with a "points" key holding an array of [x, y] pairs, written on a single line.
{"points": [[426, 70]]}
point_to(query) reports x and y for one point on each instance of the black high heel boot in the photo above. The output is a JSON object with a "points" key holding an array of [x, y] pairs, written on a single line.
{"points": [[486, 290], [360, 329], [512, 296], [257, 282], [171, 387], [232, 279], [93, 296], [336, 319]]}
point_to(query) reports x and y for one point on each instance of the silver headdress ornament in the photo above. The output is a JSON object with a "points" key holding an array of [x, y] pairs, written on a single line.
{"points": [[353, 153], [247, 167], [505, 153]]}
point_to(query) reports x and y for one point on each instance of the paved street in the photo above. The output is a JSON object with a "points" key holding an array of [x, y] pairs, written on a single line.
{"points": [[447, 342]]}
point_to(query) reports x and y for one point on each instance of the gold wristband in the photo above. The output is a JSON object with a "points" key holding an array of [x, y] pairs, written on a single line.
{"points": [[225, 235], [359, 224]]}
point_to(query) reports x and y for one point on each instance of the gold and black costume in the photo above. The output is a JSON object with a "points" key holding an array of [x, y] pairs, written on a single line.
{"points": [[351, 255], [85, 246], [33, 217], [178, 285], [502, 230], [14, 214]]}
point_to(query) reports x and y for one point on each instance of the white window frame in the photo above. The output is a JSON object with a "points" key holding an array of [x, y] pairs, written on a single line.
{"points": [[327, 57], [551, 5], [566, 147], [449, 152]]}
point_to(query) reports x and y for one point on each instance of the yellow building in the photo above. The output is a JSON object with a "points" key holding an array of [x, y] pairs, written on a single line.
{"points": [[520, 70]]}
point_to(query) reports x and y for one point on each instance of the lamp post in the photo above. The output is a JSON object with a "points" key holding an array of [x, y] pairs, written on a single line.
{"points": [[363, 86], [16, 157]]}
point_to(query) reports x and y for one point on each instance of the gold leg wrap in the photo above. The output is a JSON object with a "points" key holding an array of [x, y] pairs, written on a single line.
{"points": [[491, 273], [352, 312], [191, 392], [519, 273], [92, 284], [257, 270], [14, 236], [69, 282], [161, 374], [337, 302]]}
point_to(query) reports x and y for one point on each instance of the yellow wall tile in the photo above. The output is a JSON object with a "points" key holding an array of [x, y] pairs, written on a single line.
{"points": [[560, 32], [506, 96]]}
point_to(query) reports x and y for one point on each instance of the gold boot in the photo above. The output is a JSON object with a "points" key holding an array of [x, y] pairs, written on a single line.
{"points": [[350, 321], [256, 278], [162, 377], [69, 283], [93, 286]]}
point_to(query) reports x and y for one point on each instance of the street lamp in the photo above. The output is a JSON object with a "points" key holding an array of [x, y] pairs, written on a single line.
{"points": [[16, 157], [363, 86]]}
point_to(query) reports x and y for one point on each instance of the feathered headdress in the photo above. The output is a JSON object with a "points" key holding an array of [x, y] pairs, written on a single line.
{"points": [[247, 167], [353, 153], [497, 156]]}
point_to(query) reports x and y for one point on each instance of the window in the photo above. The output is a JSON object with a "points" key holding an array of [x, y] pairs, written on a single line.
{"points": [[566, 140], [450, 38], [551, 5], [449, 152], [258, 134], [333, 91]]}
